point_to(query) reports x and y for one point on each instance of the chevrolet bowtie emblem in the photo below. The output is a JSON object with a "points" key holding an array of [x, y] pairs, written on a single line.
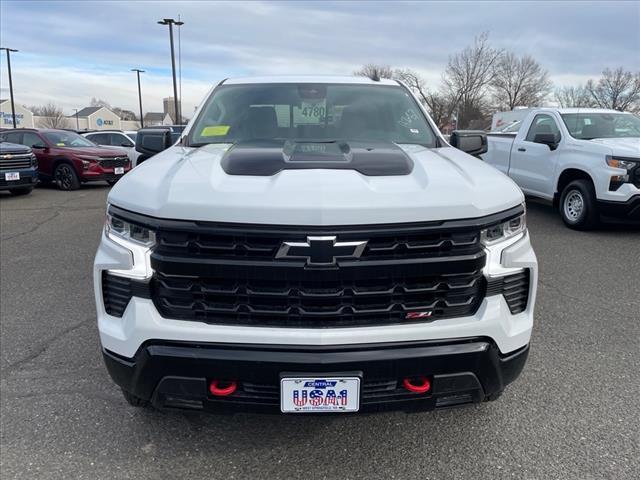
{"points": [[321, 250]]}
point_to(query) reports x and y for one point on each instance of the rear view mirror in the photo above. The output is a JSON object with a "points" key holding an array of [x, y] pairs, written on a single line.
{"points": [[548, 139], [471, 142]]}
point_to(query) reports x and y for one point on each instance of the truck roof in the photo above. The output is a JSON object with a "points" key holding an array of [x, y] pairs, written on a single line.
{"points": [[576, 110], [308, 79]]}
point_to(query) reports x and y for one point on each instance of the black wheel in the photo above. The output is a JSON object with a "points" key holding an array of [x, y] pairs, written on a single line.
{"points": [[112, 182], [21, 191], [493, 397], [65, 177], [578, 207], [133, 400]]}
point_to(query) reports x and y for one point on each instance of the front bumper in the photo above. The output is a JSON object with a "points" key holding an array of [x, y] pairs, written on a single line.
{"points": [[177, 374], [627, 212], [28, 178]]}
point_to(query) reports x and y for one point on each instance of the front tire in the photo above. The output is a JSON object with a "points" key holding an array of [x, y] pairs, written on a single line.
{"points": [[66, 177], [578, 207], [20, 191]]}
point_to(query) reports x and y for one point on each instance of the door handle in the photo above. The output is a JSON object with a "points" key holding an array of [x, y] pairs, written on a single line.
{"points": [[522, 149]]}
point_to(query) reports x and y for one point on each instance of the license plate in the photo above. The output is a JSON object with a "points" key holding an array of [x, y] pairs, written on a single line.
{"points": [[119, 170], [320, 394], [12, 176]]}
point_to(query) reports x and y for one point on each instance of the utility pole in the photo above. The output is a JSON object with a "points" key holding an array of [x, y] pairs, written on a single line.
{"points": [[171, 22], [13, 105], [77, 121], [138, 72]]}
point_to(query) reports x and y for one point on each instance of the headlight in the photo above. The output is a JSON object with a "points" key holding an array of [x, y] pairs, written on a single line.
{"points": [[505, 230], [620, 163], [34, 160], [117, 227]]}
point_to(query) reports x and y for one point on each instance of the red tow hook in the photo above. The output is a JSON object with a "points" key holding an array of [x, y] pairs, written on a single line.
{"points": [[419, 384], [222, 388]]}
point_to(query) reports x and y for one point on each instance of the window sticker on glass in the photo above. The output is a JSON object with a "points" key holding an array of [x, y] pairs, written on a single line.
{"points": [[310, 112], [215, 131], [408, 118]]}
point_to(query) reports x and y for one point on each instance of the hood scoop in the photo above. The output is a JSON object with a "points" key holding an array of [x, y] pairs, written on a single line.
{"points": [[265, 158]]}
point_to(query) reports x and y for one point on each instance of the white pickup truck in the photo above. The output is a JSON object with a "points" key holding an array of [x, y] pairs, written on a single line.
{"points": [[585, 161], [313, 244]]}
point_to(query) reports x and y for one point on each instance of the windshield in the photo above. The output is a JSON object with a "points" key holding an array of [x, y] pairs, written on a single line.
{"points": [[587, 126], [311, 112], [132, 135], [68, 139]]}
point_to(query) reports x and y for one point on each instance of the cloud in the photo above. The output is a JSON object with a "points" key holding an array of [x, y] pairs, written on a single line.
{"points": [[72, 51]]}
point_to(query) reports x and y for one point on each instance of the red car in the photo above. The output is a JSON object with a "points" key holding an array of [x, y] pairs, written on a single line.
{"points": [[69, 159]]}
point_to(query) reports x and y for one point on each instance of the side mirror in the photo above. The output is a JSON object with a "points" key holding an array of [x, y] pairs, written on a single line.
{"points": [[39, 147], [548, 139], [125, 144], [471, 142], [152, 141]]}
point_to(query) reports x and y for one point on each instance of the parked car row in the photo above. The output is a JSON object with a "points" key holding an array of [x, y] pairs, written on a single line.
{"points": [[62, 156]]}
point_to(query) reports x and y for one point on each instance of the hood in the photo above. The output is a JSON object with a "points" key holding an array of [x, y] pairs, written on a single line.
{"points": [[96, 151], [6, 147], [625, 147], [188, 183]]}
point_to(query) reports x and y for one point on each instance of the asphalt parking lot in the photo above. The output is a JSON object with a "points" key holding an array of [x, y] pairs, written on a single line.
{"points": [[574, 413]]}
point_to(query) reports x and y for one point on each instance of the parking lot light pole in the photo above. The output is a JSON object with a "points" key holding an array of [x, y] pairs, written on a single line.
{"points": [[138, 72], [171, 22], [13, 105], [77, 121]]}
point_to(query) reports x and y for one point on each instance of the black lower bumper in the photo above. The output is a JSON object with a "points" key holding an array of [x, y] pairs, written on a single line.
{"points": [[28, 179], [177, 375], [628, 211]]}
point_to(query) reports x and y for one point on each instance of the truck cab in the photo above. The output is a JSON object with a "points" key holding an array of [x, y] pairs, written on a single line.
{"points": [[585, 161]]}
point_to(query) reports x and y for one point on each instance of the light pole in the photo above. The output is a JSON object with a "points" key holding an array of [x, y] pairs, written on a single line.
{"points": [[138, 72], [13, 105], [171, 22], [77, 121]]}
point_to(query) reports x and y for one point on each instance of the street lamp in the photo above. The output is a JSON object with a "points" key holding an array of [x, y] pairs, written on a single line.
{"points": [[77, 121], [138, 72], [171, 22], [13, 105]]}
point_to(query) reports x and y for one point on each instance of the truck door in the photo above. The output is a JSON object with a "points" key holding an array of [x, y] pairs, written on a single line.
{"points": [[534, 154]]}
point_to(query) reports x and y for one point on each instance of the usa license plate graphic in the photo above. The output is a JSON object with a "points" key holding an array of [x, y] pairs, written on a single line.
{"points": [[322, 394]]}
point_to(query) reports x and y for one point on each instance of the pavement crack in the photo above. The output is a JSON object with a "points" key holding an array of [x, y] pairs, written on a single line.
{"points": [[32, 229], [44, 345]]}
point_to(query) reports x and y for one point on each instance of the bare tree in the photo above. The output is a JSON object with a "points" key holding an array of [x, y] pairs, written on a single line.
{"points": [[52, 116], [439, 105], [617, 89], [124, 114], [571, 96], [468, 75], [374, 71], [519, 82]]}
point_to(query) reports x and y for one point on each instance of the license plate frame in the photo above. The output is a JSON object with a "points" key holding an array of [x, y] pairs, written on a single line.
{"points": [[11, 176], [346, 388]]}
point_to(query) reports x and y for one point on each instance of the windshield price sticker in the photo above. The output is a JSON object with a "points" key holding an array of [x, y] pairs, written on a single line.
{"points": [[310, 112]]}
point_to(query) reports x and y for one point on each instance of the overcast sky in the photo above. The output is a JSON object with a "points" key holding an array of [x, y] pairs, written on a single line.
{"points": [[72, 51]]}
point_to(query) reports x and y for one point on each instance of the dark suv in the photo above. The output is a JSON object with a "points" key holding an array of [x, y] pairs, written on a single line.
{"points": [[69, 159], [18, 169]]}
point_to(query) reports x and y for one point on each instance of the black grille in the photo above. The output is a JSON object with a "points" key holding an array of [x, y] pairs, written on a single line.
{"points": [[263, 244], [514, 288], [223, 273], [15, 162], [311, 302], [114, 162]]}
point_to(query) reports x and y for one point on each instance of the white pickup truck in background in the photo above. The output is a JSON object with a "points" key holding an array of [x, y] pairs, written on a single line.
{"points": [[585, 161]]}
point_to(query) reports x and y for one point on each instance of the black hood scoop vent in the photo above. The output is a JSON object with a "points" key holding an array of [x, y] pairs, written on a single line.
{"points": [[265, 158]]}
